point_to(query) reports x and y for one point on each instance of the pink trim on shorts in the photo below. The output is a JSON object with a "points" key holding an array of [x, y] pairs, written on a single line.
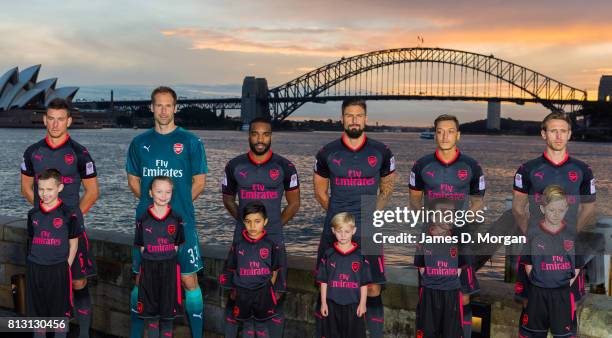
{"points": [[70, 282], [461, 308], [381, 264], [178, 284], [86, 240], [573, 305], [273, 295]]}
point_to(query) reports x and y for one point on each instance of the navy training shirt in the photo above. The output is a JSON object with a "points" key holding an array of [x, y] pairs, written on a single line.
{"points": [[344, 272], [159, 235], [50, 230], [251, 262], [552, 255], [455, 180], [264, 181], [574, 176], [352, 173], [441, 262], [70, 158]]}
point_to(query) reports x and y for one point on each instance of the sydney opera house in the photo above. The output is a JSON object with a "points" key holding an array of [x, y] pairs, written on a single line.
{"points": [[23, 98]]}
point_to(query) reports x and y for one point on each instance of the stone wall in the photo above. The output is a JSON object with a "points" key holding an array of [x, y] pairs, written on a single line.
{"points": [[111, 291]]}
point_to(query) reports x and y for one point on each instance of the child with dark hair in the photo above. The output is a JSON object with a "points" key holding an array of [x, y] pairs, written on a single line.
{"points": [[53, 230], [159, 233], [251, 269], [439, 312]]}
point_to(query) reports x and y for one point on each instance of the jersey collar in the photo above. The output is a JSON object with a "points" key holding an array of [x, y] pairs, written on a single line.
{"points": [[256, 162], [547, 158], [48, 141], [563, 224], [439, 158], [355, 246], [245, 234], [150, 209], [358, 147], [48, 210]]}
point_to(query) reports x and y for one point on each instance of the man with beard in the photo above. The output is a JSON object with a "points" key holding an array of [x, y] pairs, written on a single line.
{"points": [[169, 150], [261, 175], [59, 151], [450, 174], [347, 169], [555, 166]]}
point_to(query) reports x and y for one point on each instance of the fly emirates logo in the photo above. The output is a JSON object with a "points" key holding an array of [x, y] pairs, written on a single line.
{"points": [[161, 169]]}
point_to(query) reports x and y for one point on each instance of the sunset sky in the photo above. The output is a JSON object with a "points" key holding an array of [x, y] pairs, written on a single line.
{"points": [[210, 46]]}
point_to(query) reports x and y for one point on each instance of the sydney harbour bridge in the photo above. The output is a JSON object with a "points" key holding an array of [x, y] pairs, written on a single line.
{"points": [[396, 74]]}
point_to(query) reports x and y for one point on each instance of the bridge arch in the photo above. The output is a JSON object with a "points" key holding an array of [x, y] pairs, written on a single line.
{"points": [[531, 86]]}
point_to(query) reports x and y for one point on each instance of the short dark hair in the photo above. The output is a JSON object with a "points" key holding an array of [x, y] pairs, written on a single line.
{"points": [[260, 120], [59, 103], [163, 90], [556, 116], [446, 117], [255, 207], [354, 102], [161, 178], [51, 174]]}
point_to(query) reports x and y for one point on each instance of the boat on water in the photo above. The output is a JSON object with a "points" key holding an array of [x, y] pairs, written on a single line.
{"points": [[427, 135]]}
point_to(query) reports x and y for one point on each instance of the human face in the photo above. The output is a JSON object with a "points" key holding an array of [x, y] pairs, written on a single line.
{"points": [[554, 212], [447, 135], [161, 193], [557, 134], [254, 224], [163, 108], [57, 122], [344, 233], [354, 120], [260, 138], [48, 191]]}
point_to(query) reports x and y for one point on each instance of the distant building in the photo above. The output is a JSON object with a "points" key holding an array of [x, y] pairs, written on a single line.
{"points": [[23, 98], [605, 88]]}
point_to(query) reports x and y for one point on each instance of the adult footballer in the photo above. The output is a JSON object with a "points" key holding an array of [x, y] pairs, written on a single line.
{"points": [[169, 150]]}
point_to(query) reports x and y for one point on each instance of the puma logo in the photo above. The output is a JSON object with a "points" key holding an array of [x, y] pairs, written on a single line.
{"points": [[147, 147], [333, 264], [337, 162], [197, 315], [430, 173], [243, 174], [241, 252], [149, 230]]}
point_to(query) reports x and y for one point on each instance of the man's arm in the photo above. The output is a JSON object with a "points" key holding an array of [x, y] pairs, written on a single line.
{"points": [[91, 192], [415, 198], [586, 215], [321, 185], [476, 202], [229, 201], [27, 188], [198, 183], [519, 209], [74, 244], [293, 205], [134, 184], [385, 191]]}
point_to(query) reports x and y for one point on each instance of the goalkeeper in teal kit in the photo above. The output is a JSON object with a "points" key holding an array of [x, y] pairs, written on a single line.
{"points": [[168, 150]]}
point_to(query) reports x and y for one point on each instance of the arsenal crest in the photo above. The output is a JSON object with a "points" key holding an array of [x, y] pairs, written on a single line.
{"points": [[462, 174], [69, 159], [178, 148], [57, 222], [372, 160], [568, 245], [274, 174], [222, 279], [139, 307], [419, 333], [518, 288], [525, 319], [264, 253], [355, 266], [573, 176], [171, 229], [236, 311], [453, 251]]}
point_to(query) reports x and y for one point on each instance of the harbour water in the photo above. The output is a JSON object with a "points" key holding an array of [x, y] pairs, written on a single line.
{"points": [[499, 156]]}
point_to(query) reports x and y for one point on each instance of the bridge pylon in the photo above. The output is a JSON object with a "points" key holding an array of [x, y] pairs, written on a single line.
{"points": [[254, 101], [494, 115]]}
